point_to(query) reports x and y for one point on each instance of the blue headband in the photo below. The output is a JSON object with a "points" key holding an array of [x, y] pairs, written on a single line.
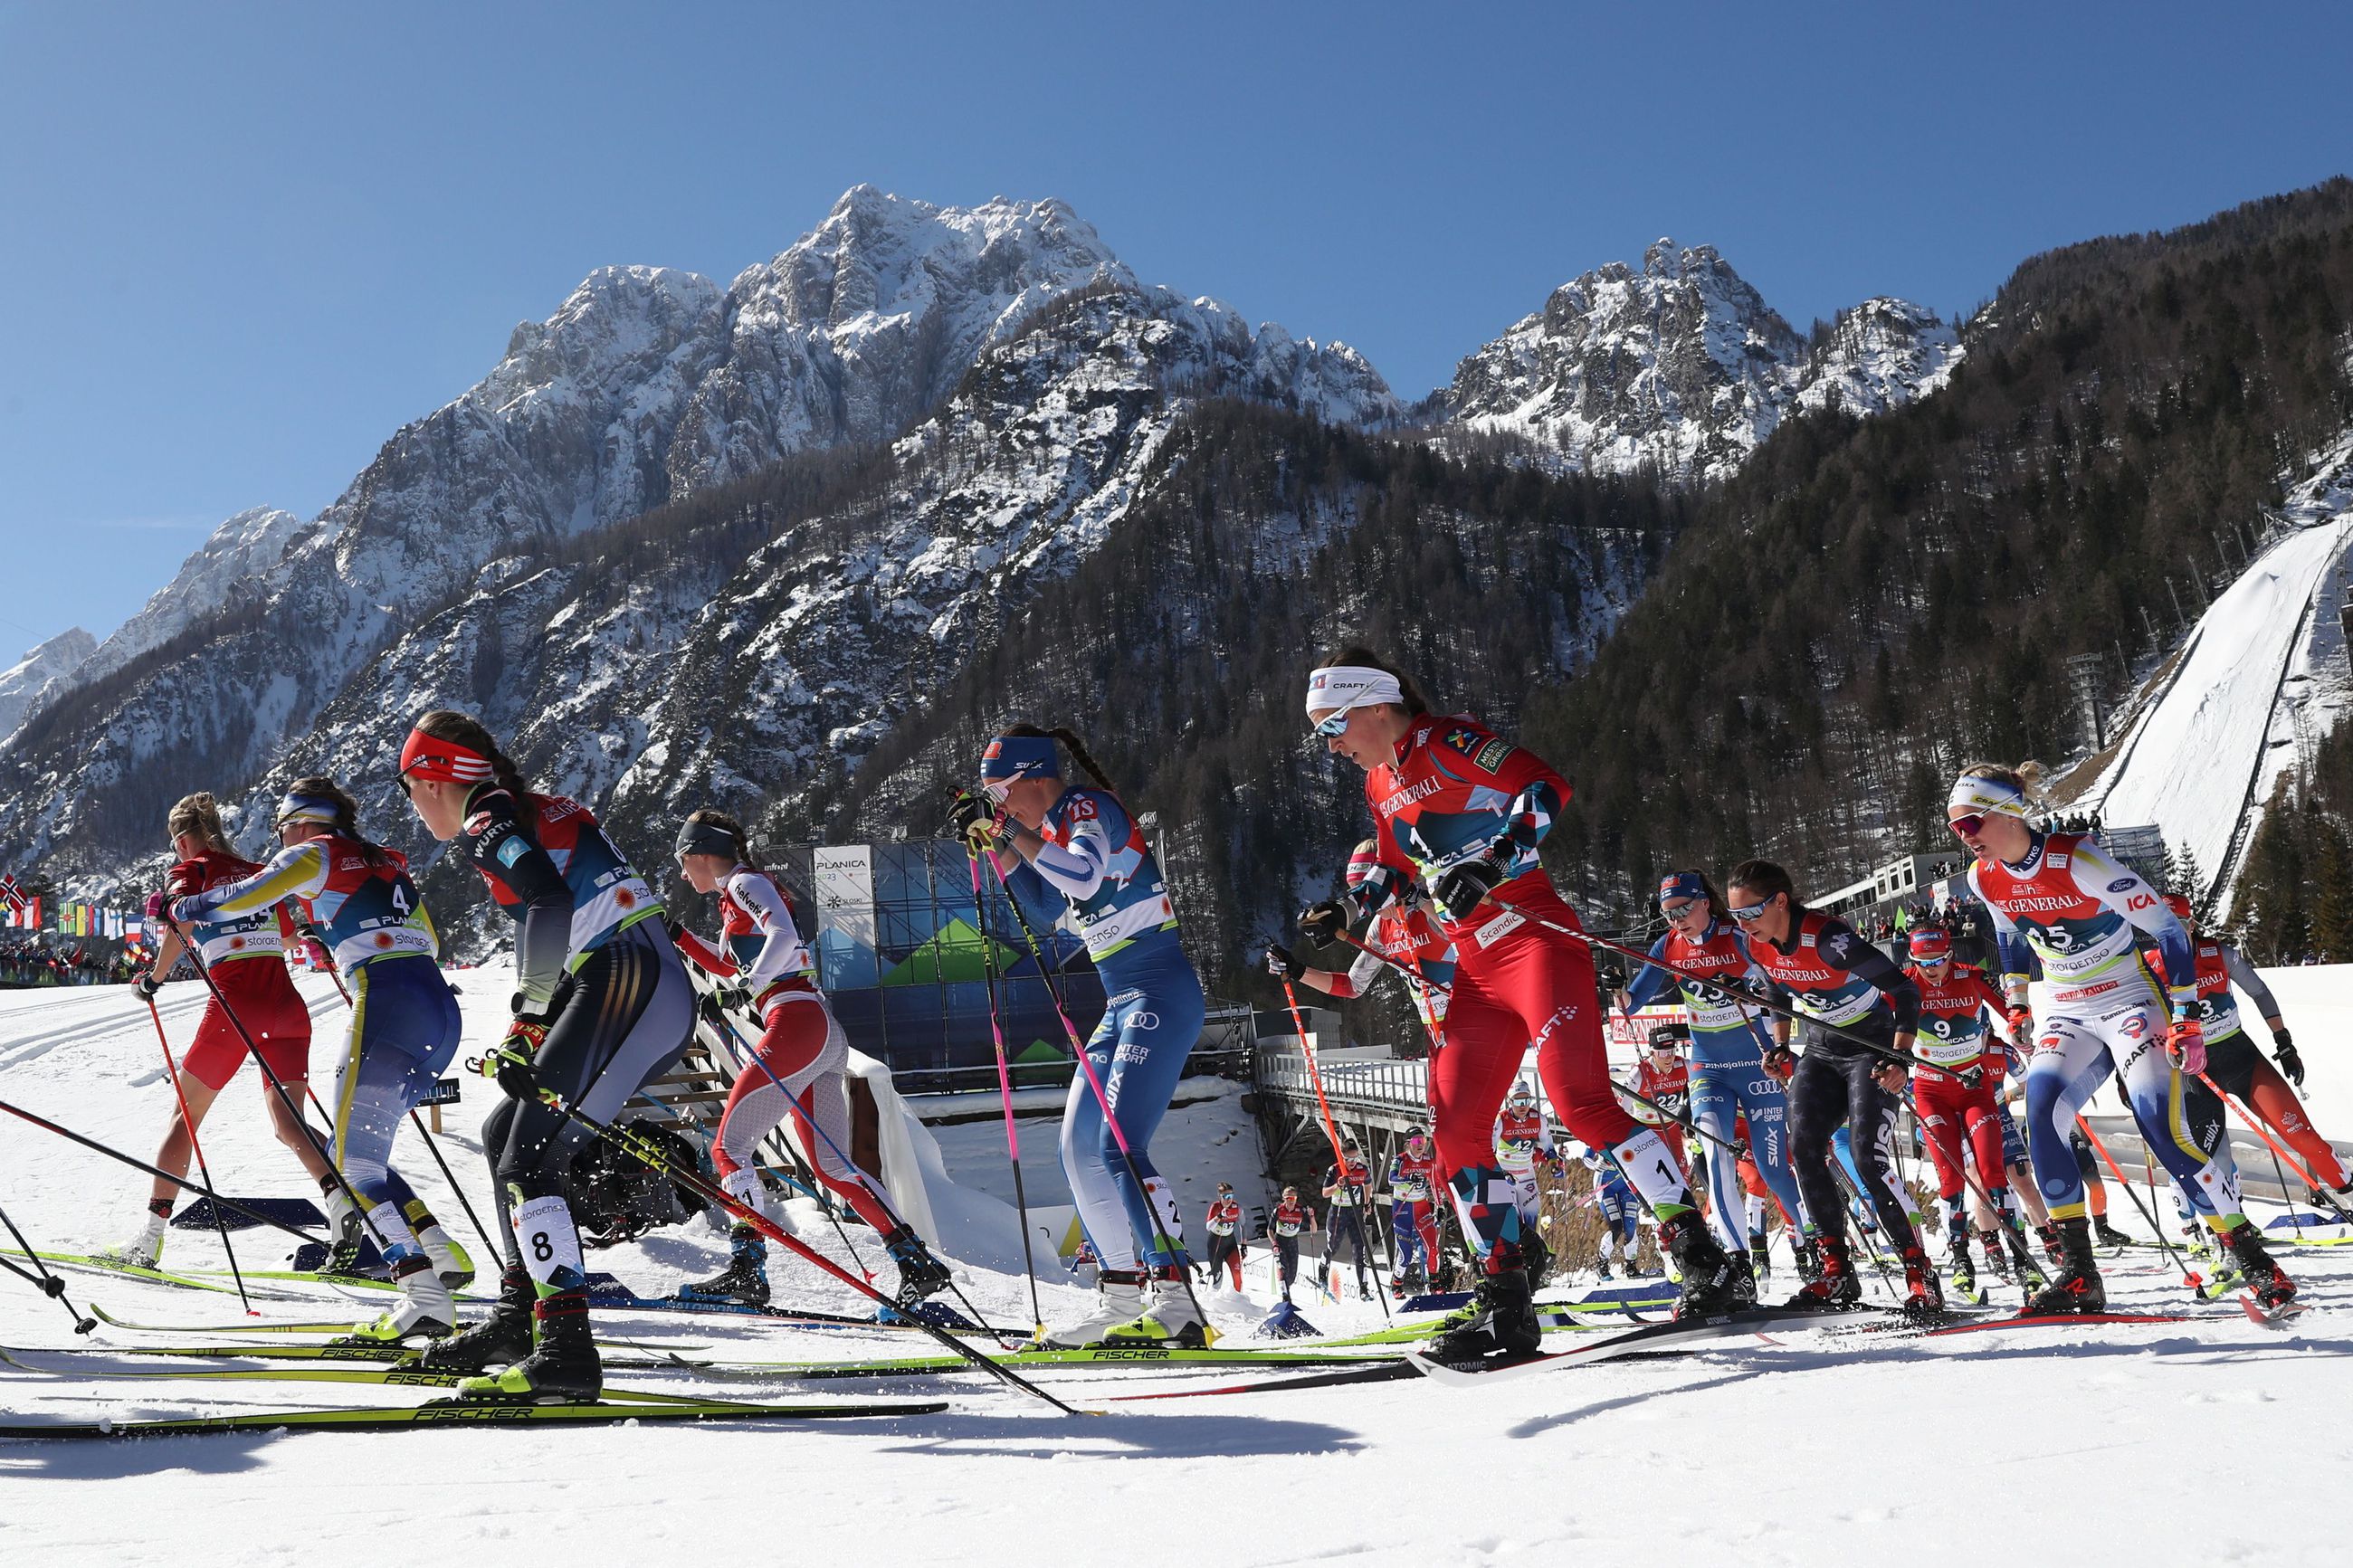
{"points": [[1020, 757], [1682, 885], [306, 808]]}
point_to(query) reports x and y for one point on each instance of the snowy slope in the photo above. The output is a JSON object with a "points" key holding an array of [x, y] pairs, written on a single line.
{"points": [[2262, 678], [25, 684], [1796, 1452]]}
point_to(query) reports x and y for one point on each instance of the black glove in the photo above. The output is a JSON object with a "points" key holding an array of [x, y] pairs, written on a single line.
{"points": [[146, 984], [511, 1062], [2284, 1051], [1324, 920], [1971, 1075], [1280, 963], [967, 810], [1464, 889]]}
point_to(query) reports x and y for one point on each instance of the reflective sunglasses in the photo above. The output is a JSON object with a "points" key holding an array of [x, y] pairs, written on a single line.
{"points": [[1677, 911], [1752, 911], [1335, 725], [1967, 826], [997, 789]]}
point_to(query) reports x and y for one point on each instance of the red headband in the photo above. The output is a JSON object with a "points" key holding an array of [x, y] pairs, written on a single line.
{"points": [[431, 757]]}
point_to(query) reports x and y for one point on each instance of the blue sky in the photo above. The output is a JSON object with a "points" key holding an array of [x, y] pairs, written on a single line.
{"points": [[241, 245]]}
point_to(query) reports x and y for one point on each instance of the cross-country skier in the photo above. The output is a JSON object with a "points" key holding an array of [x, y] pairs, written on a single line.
{"points": [[800, 1061], [2085, 918], [1614, 1200], [1348, 1214], [1956, 1091], [2239, 1070], [1460, 811], [1521, 1142], [1404, 935], [1291, 1219], [404, 1018], [246, 958], [1699, 955], [1837, 980], [1064, 845], [1663, 1077], [601, 1005], [1224, 1224], [1413, 1211]]}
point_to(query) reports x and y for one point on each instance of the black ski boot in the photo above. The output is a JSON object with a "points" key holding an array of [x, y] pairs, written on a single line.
{"points": [[1498, 1320], [2047, 1233], [1809, 1254], [1712, 1283], [1601, 1270], [1833, 1288], [2078, 1287], [2107, 1235], [2270, 1283], [1965, 1270], [500, 1339], [1760, 1257], [744, 1281], [2030, 1275], [1535, 1258], [1924, 1297], [563, 1364], [920, 1273], [1996, 1259]]}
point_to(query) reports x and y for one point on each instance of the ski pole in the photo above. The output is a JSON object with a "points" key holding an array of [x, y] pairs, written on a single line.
{"points": [[1162, 1241], [171, 1071], [2278, 1153], [431, 1147], [48, 1283], [182, 1182], [648, 1153], [1331, 1132], [1005, 1086], [2189, 1276]]}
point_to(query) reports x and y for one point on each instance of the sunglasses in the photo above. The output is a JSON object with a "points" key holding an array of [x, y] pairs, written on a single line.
{"points": [[1335, 725], [1677, 911], [1967, 826], [997, 789], [1744, 914]]}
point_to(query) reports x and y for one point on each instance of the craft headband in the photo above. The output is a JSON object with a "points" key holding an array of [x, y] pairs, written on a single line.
{"points": [[1987, 797], [704, 838], [1020, 757], [431, 757], [1341, 687]]}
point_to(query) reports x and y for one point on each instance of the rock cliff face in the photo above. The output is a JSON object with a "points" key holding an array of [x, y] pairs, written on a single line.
{"points": [[1684, 368], [25, 683]]}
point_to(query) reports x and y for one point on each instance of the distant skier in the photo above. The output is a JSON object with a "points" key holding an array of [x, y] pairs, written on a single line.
{"points": [[1413, 1211], [1619, 1208], [1224, 1224], [1460, 811], [1524, 1141], [1291, 1219], [1346, 1200]]}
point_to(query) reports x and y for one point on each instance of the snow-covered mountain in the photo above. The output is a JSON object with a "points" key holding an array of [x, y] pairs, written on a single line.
{"points": [[1024, 373], [1683, 367], [25, 683]]}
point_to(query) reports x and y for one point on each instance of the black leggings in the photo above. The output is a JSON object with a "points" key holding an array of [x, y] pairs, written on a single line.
{"points": [[1833, 1085], [625, 1016], [1349, 1224]]}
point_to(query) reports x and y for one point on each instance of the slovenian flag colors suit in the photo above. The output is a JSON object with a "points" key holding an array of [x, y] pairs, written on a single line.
{"points": [[594, 973], [1453, 796], [404, 1018], [1094, 863]]}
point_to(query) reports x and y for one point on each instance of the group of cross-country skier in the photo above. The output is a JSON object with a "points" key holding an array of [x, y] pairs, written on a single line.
{"points": [[1448, 889]]}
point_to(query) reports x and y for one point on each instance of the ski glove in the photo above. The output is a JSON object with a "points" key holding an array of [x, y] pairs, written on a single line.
{"points": [[1970, 1076], [158, 906], [1282, 964], [1782, 1062], [2022, 1027], [2291, 1063], [146, 984], [1462, 890], [1324, 920], [511, 1062], [2185, 1042]]}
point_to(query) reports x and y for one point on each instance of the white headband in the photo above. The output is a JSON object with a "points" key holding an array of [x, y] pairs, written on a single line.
{"points": [[1341, 687], [1987, 797]]}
